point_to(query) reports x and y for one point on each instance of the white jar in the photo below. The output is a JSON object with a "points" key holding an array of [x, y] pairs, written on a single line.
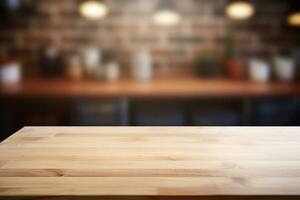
{"points": [[74, 68], [142, 66], [91, 59], [112, 71], [284, 68], [259, 70], [10, 73]]}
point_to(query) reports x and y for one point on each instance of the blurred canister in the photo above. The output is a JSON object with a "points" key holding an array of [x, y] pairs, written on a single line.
{"points": [[91, 59], [284, 68], [142, 66], [112, 71], [10, 72], [74, 68], [259, 70], [51, 61]]}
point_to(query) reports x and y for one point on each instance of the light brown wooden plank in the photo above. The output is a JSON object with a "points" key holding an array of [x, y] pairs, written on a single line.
{"points": [[147, 161]]}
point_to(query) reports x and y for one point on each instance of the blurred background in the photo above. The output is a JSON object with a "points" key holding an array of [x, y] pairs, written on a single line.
{"points": [[149, 62]]}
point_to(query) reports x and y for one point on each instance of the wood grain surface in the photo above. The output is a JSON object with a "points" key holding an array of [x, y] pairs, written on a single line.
{"points": [[176, 87], [160, 162]]}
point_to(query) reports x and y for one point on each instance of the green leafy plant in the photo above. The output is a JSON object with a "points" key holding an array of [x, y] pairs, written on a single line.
{"points": [[229, 46], [207, 56], [208, 64]]}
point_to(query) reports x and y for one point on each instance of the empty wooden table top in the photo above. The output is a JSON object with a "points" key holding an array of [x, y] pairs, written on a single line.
{"points": [[150, 161]]}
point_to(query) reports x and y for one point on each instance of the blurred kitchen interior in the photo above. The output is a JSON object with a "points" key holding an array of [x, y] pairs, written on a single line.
{"points": [[149, 62]]}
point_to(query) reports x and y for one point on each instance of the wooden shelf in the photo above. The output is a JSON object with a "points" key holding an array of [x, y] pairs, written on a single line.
{"points": [[180, 87]]}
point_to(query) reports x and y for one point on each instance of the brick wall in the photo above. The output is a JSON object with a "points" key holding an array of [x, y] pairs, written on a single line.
{"points": [[129, 28]]}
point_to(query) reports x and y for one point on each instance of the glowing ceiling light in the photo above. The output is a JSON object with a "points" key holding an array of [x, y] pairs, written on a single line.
{"points": [[294, 19], [166, 18], [240, 10], [93, 9], [166, 14]]}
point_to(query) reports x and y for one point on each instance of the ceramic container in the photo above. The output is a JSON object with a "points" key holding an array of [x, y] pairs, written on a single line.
{"points": [[284, 68], [259, 70], [235, 68], [10, 73], [51, 62], [74, 68], [91, 57], [142, 66], [112, 71]]}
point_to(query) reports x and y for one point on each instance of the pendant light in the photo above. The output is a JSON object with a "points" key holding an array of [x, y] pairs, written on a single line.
{"points": [[294, 14], [294, 19], [166, 14], [240, 10], [93, 9]]}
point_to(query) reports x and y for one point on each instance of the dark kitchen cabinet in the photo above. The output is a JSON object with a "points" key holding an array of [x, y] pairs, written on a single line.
{"points": [[158, 113], [99, 113], [215, 113], [276, 112]]}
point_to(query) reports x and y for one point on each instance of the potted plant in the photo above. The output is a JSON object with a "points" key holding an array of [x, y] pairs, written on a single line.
{"points": [[208, 64], [234, 66]]}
